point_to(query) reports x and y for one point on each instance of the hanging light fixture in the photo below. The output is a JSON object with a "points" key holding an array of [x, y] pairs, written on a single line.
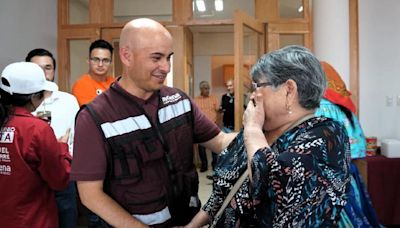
{"points": [[219, 5], [201, 6]]}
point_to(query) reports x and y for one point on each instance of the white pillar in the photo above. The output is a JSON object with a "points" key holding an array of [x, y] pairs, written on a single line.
{"points": [[331, 34]]}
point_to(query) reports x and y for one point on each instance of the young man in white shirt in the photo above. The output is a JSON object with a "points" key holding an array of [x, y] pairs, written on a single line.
{"points": [[59, 109]]}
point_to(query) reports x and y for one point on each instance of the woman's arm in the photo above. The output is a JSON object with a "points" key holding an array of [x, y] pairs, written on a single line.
{"points": [[253, 121]]}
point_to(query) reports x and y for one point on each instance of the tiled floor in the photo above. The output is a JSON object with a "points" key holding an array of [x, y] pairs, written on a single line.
{"points": [[205, 186]]}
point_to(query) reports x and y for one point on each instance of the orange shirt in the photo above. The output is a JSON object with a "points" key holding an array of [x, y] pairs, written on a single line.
{"points": [[86, 88], [209, 106]]}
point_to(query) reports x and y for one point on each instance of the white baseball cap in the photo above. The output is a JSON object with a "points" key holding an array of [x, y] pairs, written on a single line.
{"points": [[25, 78]]}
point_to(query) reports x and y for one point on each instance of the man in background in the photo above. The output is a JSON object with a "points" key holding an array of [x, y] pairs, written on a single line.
{"points": [[208, 104], [228, 107], [97, 79], [59, 109]]}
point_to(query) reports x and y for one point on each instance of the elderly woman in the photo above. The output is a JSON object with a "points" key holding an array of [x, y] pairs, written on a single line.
{"points": [[299, 164]]}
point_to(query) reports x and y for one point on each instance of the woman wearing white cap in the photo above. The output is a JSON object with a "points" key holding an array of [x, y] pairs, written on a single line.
{"points": [[32, 162]]}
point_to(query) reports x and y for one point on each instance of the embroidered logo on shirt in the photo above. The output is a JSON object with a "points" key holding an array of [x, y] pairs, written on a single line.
{"points": [[170, 99]]}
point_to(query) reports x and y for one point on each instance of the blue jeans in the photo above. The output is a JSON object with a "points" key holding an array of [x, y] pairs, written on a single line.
{"points": [[67, 208]]}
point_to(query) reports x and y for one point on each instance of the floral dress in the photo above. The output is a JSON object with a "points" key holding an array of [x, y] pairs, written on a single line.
{"points": [[301, 181]]}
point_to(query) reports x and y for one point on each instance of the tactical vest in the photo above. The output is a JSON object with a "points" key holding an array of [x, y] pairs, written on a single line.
{"points": [[149, 164]]}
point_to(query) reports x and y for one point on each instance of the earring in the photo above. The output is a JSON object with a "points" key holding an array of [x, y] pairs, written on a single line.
{"points": [[289, 109]]}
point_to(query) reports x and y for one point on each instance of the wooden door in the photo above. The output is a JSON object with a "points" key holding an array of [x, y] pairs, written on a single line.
{"points": [[248, 47]]}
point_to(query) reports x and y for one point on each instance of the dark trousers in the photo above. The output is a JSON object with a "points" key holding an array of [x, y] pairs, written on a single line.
{"points": [[203, 157], [67, 207]]}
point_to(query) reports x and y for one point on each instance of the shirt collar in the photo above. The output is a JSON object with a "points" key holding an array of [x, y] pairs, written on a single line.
{"points": [[21, 111], [53, 97]]}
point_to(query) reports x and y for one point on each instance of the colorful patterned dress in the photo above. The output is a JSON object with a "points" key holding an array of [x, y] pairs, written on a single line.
{"points": [[301, 181]]}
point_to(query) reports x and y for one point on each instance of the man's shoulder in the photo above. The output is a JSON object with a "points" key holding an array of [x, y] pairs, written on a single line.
{"points": [[172, 95], [67, 98], [83, 77], [166, 90], [82, 80], [110, 78], [213, 97], [65, 95], [104, 101]]}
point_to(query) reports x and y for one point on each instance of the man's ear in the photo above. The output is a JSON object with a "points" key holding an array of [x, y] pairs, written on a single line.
{"points": [[125, 55]]}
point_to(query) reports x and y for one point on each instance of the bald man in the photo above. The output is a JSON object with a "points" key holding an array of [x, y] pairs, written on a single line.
{"points": [[133, 151]]}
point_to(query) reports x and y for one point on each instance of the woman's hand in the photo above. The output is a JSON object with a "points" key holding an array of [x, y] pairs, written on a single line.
{"points": [[253, 122], [254, 114]]}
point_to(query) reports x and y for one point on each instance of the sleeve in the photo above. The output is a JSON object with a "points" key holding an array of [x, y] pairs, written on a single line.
{"points": [[55, 160], [214, 202], [232, 163], [204, 128], [89, 162]]}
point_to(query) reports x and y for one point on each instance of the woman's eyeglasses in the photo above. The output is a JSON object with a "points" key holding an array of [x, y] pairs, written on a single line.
{"points": [[256, 85]]}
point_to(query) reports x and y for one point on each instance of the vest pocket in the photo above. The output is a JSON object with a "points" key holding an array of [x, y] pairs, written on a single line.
{"points": [[126, 166], [150, 150]]}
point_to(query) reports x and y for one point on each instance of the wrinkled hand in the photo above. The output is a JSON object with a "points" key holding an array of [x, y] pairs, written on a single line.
{"points": [[254, 114], [65, 137]]}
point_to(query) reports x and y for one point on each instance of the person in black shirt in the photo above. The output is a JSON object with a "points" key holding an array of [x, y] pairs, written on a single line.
{"points": [[228, 108]]}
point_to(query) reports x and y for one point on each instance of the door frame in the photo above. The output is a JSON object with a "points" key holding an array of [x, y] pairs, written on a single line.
{"points": [[242, 20]]}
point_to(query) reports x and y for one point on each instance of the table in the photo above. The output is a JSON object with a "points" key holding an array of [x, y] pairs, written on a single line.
{"points": [[383, 175]]}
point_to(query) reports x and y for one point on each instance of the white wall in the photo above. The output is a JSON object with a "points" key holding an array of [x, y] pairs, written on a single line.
{"points": [[380, 67], [25, 25], [217, 49], [331, 34], [206, 45]]}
